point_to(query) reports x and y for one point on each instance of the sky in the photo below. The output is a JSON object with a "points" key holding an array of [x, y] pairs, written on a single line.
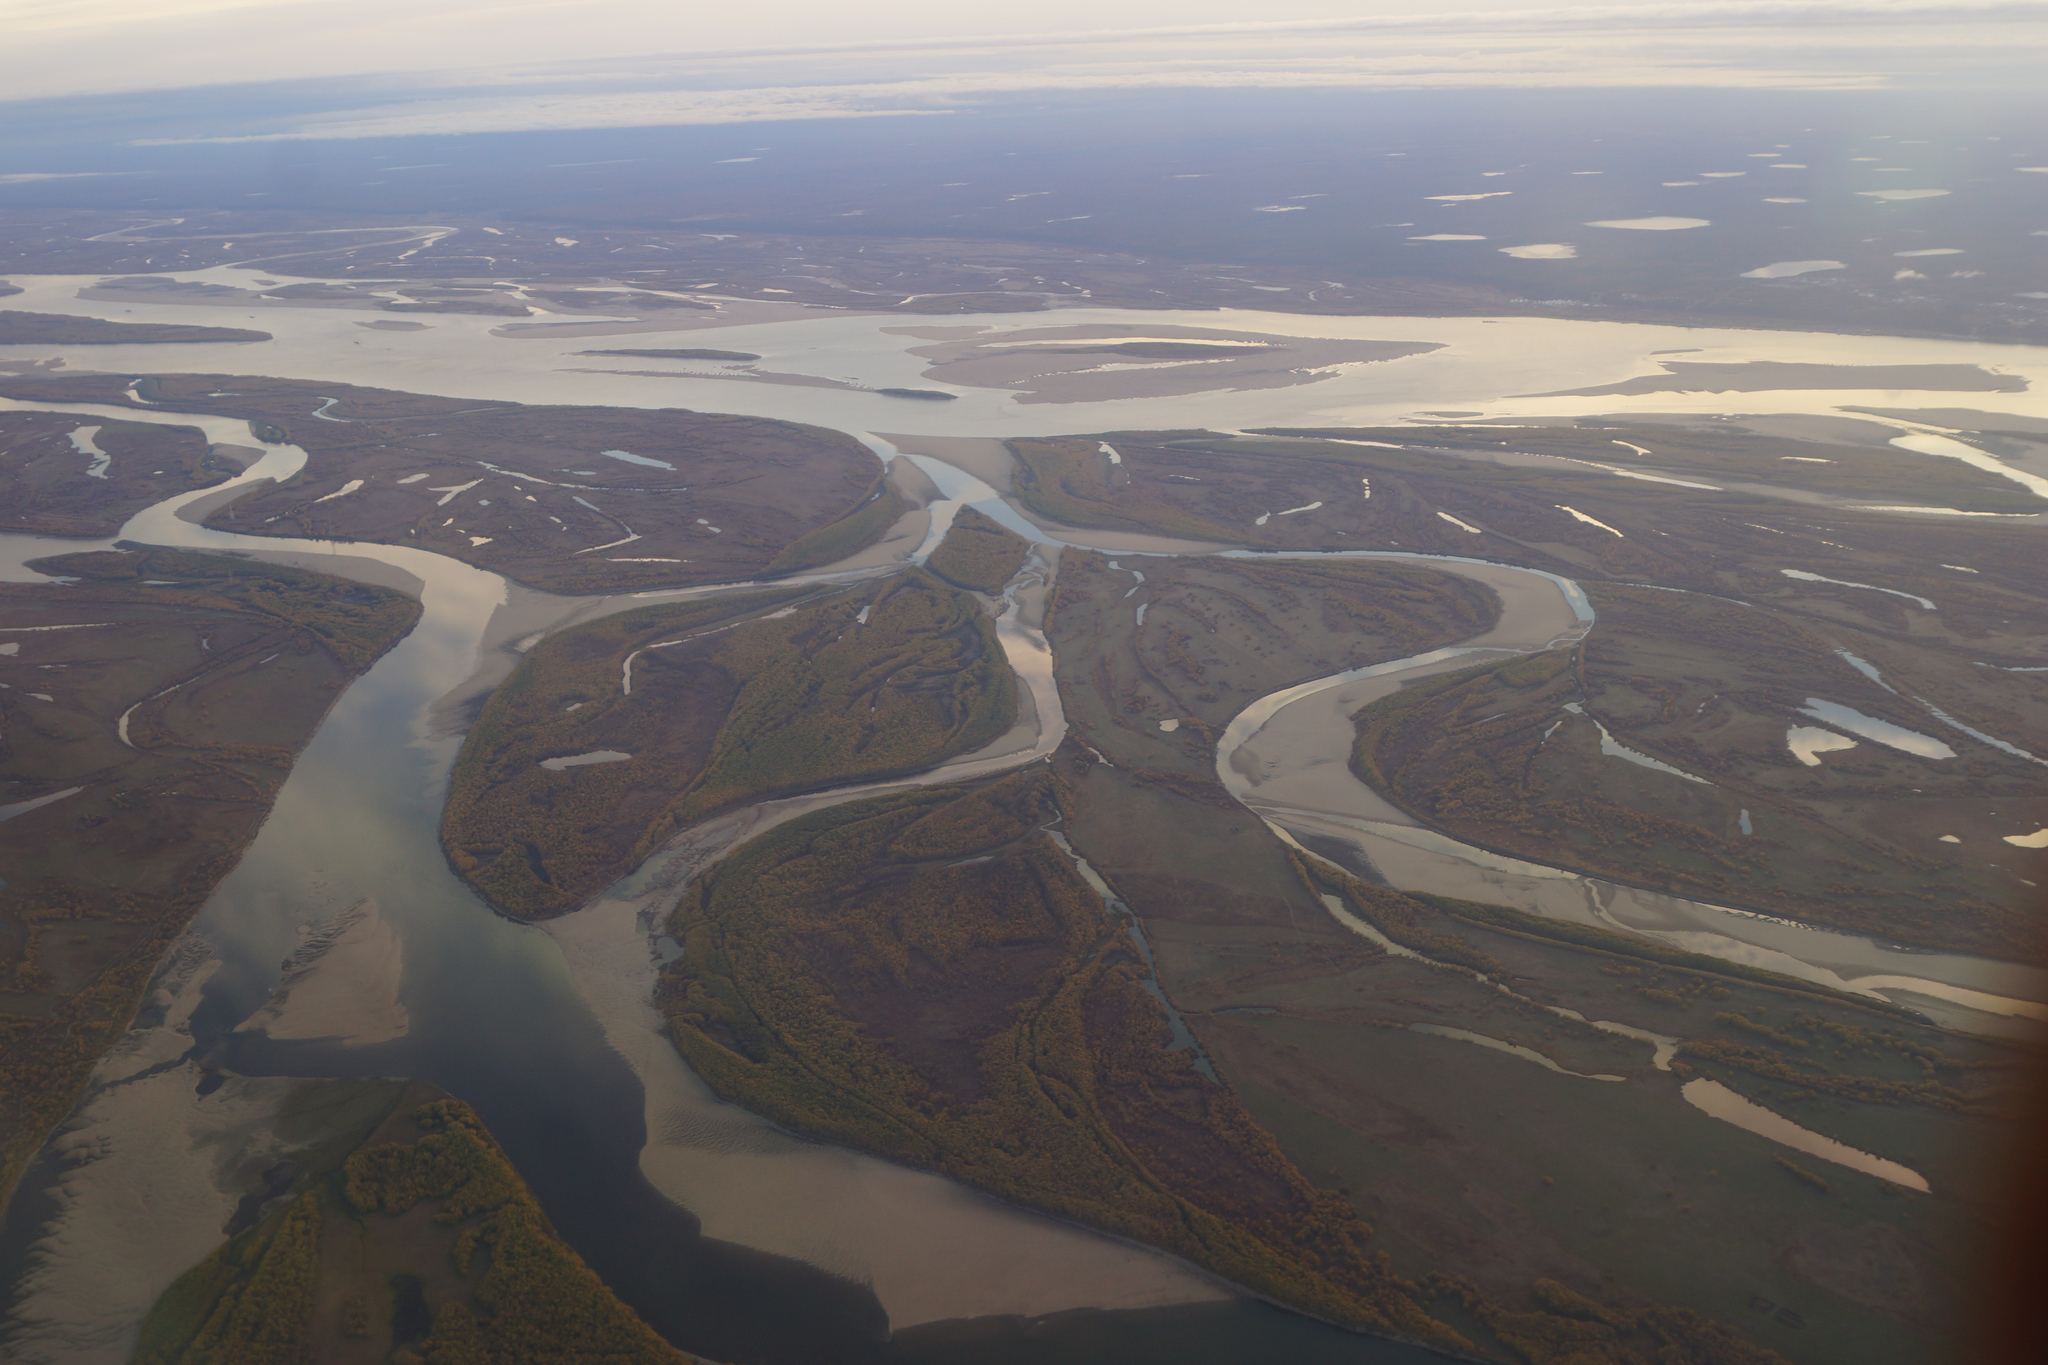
{"points": [[449, 65]]}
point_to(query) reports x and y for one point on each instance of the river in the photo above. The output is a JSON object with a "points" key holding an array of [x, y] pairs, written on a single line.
{"points": [[791, 1251]]}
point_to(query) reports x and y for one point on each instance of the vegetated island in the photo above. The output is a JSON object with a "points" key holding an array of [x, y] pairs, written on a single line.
{"points": [[567, 499], [152, 711], [612, 736], [680, 353], [978, 553], [61, 329], [62, 475], [421, 1243], [1660, 756], [925, 395], [927, 976]]}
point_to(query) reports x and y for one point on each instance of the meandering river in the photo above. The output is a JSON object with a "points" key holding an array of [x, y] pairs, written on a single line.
{"points": [[725, 1233]]}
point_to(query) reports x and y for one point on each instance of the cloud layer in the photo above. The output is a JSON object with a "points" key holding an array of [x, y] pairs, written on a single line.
{"points": [[472, 66]]}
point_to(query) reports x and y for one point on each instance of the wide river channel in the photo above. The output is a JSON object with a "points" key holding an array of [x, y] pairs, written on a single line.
{"points": [[728, 1236]]}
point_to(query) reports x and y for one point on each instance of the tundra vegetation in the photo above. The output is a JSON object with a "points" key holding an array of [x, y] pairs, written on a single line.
{"points": [[1710, 687], [568, 499], [926, 976], [732, 700], [1723, 611], [160, 700], [422, 1245], [867, 523], [1220, 633], [977, 553], [52, 485], [1490, 1180]]}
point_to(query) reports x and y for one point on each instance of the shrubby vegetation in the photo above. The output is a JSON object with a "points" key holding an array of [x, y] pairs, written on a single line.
{"points": [[925, 976], [852, 533], [978, 553], [119, 869], [1218, 633], [723, 710], [509, 1292], [250, 1303]]}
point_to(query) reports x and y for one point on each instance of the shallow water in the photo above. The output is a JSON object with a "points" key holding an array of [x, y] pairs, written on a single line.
{"points": [[1808, 742], [497, 1015], [1871, 728], [1711, 1097]]}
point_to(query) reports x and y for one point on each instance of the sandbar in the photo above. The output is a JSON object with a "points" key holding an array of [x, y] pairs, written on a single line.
{"points": [[341, 987], [1046, 365], [1761, 376]]}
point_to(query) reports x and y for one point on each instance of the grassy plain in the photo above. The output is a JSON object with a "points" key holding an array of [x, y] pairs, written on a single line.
{"points": [[728, 704], [543, 494], [175, 707], [1711, 687], [977, 553], [422, 1245], [45, 488]]}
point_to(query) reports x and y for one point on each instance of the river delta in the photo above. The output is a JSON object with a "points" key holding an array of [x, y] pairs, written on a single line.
{"points": [[709, 1221]]}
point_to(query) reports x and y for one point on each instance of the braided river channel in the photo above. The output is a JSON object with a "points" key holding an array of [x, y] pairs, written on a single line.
{"points": [[729, 1236]]}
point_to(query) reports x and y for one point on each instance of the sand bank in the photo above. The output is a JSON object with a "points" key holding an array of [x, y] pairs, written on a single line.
{"points": [[152, 1172], [1053, 365], [342, 986]]}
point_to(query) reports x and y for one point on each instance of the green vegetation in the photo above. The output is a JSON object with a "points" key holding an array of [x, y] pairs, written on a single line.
{"points": [[1397, 915], [700, 498], [222, 669], [723, 710], [852, 533], [927, 977], [50, 486], [249, 1303], [501, 1287], [978, 553], [1804, 1176]]}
